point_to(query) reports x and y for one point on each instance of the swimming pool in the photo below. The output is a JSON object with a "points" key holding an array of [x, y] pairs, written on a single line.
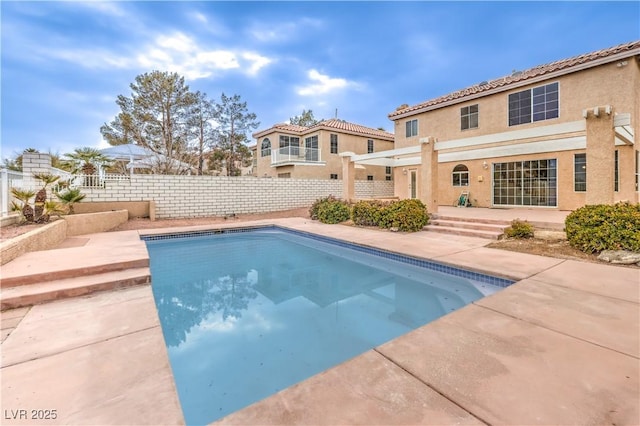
{"points": [[248, 312]]}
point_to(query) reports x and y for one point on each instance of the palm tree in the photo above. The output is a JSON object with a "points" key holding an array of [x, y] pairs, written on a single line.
{"points": [[41, 196], [24, 195], [70, 197], [86, 160]]}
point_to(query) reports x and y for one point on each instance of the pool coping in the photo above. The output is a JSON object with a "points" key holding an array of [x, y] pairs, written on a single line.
{"points": [[390, 384]]}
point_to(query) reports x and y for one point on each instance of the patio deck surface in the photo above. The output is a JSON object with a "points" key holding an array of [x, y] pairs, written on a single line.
{"points": [[561, 346]]}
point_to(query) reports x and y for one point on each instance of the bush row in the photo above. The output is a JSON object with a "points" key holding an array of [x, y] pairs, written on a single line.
{"points": [[604, 227], [403, 215]]}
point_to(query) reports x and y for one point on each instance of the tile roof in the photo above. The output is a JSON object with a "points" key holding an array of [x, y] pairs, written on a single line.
{"points": [[331, 124], [564, 66]]}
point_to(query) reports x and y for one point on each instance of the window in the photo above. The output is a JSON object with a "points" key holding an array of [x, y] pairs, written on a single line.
{"points": [[460, 175], [369, 177], [526, 183], [537, 104], [616, 171], [388, 178], [387, 170], [334, 144], [412, 128], [580, 172], [311, 152], [284, 175], [369, 146], [265, 148], [333, 176], [469, 117], [290, 142]]}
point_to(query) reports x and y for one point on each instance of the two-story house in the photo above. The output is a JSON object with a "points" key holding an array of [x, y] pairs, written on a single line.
{"points": [[559, 135], [291, 151]]}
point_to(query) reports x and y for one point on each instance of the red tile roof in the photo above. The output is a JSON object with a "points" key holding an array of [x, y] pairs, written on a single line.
{"points": [[564, 66], [332, 124]]}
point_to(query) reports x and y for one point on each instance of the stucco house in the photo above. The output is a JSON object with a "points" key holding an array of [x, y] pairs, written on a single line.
{"points": [[291, 151], [556, 136]]}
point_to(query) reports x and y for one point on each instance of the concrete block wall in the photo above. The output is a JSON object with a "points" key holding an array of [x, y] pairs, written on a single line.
{"points": [[202, 196]]}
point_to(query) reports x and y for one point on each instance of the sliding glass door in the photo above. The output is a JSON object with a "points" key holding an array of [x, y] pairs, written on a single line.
{"points": [[525, 183]]}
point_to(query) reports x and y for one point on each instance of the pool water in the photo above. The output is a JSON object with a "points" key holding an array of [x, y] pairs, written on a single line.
{"points": [[245, 315]]}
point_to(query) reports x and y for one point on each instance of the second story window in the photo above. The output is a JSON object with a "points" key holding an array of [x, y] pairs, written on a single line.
{"points": [[469, 117], [333, 176], [369, 177], [369, 146], [412, 128], [290, 142], [334, 144], [265, 148], [536, 104]]}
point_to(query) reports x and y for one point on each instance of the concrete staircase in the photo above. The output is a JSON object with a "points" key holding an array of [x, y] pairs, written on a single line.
{"points": [[470, 227], [34, 287]]}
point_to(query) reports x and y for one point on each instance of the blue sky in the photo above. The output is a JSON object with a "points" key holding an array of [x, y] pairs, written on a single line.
{"points": [[64, 63]]}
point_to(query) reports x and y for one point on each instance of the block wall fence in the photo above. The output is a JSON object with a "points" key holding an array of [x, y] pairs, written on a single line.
{"points": [[202, 196]]}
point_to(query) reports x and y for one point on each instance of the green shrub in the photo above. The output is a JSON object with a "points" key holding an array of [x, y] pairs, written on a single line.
{"points": [[367, 213], [406, 215], [330, 210], [604, 227], [519, 229]]}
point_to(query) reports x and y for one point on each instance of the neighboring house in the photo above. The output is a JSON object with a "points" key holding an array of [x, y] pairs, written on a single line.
{"points": [[290, 151], [559, 135]]}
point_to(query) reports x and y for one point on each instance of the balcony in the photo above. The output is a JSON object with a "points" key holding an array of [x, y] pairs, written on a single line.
{"points": [[295, 155]]}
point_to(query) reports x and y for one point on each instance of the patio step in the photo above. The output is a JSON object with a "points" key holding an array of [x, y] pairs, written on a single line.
{"points": [[46, 291], [13, 277], [470, 227]]}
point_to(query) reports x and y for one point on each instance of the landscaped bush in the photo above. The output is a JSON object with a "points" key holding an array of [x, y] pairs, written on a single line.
{"points": [[519, 229], [330, 210], [367, 213], [604, 227], [405, 215]]}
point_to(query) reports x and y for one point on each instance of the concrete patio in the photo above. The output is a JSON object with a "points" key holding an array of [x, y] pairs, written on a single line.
{"points": [[561, 346]]}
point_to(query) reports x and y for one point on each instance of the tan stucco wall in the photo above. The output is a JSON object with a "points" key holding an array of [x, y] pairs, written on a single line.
{"points": [[43, 238], [80, 224], [332, 163], [135, 208]]}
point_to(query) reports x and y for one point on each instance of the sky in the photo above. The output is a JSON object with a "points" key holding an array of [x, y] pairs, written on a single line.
{"points": [[63, 64]]}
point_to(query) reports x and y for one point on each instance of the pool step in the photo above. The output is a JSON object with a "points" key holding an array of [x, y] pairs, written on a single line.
{"points": [[46, 291], [482, 228]]}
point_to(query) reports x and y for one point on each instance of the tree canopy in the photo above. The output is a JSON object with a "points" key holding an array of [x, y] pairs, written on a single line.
{"points": [[182, 127], [305, 119]]}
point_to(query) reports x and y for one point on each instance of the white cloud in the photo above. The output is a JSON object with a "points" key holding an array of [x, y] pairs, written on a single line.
{"points": [[256, 62], [321, 84], [176, 52], [284, 31]]}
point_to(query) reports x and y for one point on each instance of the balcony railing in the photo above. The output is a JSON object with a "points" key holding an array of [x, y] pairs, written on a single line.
{"points": [[295, 154]]}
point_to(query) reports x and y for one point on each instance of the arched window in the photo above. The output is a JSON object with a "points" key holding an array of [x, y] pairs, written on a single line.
{"points": [[265, 148], [460, 175]]}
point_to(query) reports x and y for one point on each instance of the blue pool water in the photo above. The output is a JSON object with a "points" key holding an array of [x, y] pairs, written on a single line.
{"points": [[247, 314]]}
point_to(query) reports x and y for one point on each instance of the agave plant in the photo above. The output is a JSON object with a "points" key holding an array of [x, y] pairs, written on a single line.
{"points": [[70, 197], [41, 196], [24, 195]]}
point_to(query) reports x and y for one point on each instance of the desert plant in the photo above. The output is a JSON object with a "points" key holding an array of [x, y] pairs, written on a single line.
{"points": [[406, 215], [601, 227], [41, 196], [330, 210], [519, 229], [24, 196], [69, 197]]}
